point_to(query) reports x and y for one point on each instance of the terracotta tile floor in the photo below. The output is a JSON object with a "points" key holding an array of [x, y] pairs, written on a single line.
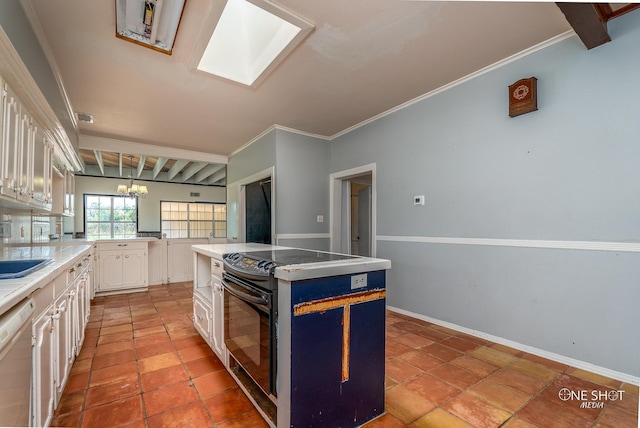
{"points": [[144, 365]]}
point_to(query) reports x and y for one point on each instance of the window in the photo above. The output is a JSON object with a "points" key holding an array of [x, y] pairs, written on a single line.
{"points": [[108, 217], [193, 219]]}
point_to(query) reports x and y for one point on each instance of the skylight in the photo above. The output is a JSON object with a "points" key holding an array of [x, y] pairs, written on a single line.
{"points": [[250, 39]]}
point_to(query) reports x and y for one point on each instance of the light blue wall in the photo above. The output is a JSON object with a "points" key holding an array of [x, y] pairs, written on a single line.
{"points": [[570, 171], [302, 183], [252, 159]]}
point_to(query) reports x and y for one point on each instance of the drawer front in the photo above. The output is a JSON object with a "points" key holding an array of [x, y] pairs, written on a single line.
{"points": [[216, 267], [111, 246]]}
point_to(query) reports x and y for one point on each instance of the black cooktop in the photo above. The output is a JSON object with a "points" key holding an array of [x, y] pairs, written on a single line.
{"points": [[296, 256]]}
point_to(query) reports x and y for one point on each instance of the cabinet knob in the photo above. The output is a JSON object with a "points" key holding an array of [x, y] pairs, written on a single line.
{"points": [[127, 256], [117, 257]]}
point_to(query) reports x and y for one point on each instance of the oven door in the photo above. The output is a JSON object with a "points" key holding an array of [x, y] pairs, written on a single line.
{"points": [[249, 330]]}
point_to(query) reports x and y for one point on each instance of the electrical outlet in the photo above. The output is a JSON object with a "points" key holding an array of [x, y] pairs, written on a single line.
{"points": [[320, 218], [359, 281]]}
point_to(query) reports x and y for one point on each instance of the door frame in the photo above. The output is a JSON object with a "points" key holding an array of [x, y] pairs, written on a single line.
{"points": [[339, 207]]}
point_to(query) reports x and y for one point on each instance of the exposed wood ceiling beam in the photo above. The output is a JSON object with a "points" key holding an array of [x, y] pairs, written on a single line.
{"points": [[176, 168], [98, 155], [192, 170], [625, 9], [587, 22], [158, 166]]}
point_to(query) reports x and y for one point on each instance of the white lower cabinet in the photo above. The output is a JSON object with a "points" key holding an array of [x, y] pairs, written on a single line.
{"points": [[58, 334], [122, 267], [63, 347], [83, 305], [208, 302], [202, 313], [42, 397], [217, 318]]}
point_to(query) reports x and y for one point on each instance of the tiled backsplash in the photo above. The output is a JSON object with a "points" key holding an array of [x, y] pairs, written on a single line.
{"points": [[20, 227]]}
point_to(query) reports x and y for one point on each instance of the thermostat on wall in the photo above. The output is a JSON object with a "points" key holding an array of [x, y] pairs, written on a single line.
{"points": [[418, 200]]}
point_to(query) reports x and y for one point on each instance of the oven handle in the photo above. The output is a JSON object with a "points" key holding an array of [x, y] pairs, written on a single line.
{"points": [[245, 296]]}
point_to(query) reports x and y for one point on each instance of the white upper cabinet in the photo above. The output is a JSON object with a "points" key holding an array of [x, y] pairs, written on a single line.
{"points": [[27, 155], [10, 142], [40, 184]]}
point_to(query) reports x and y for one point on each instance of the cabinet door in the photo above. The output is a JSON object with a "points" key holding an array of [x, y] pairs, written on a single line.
{"points": [[134, 264], [41, 172], [217, 319], [63, 335], [42, 382], [74, 320], [81, 319], [25, 156], [69, 193], [10, 134], [202, 318], [110, 270], [3, 97]]}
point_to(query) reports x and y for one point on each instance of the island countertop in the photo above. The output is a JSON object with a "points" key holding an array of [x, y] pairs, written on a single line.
{"points": [[296, 272]]}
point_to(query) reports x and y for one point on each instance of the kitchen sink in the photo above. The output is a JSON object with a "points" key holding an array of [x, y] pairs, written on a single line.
{"points": [[20, 268]]}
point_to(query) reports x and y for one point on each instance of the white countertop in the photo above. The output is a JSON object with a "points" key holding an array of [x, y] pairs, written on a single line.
{"points": [[300, 271], [14, 290]]}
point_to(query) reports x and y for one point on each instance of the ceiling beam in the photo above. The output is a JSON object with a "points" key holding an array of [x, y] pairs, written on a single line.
{"points": [[176, 168], [207, 172], [98, 155], [217, 176], [158, 166], [115, 145], [140, 167], [624, 9], [587, 22], [192, 170]]}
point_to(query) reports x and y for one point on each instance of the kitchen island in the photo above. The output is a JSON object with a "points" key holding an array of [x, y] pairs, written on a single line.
{"points": [[329, 320]]}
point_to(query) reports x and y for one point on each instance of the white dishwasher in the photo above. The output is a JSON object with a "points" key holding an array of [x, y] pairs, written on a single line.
{"points": [[15, 364]]}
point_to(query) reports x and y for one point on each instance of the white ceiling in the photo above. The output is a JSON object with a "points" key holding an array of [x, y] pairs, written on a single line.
{"points": [[363, 58]]}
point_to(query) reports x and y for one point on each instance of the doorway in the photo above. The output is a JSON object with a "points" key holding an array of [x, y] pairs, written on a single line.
{"points": [[353, 211], [258, 211]]}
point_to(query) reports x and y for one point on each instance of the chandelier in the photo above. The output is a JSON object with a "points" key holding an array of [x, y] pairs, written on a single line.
{"points": [[132, 190]]}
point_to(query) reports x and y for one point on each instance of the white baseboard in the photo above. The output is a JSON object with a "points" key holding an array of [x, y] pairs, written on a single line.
{"points": [[624, 377]]}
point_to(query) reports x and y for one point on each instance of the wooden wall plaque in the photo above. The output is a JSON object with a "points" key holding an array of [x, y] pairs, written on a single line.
{"points": [[523, 97]]}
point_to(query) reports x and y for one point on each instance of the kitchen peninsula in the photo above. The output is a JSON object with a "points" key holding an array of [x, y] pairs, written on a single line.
{"points": [[319, 316]]}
